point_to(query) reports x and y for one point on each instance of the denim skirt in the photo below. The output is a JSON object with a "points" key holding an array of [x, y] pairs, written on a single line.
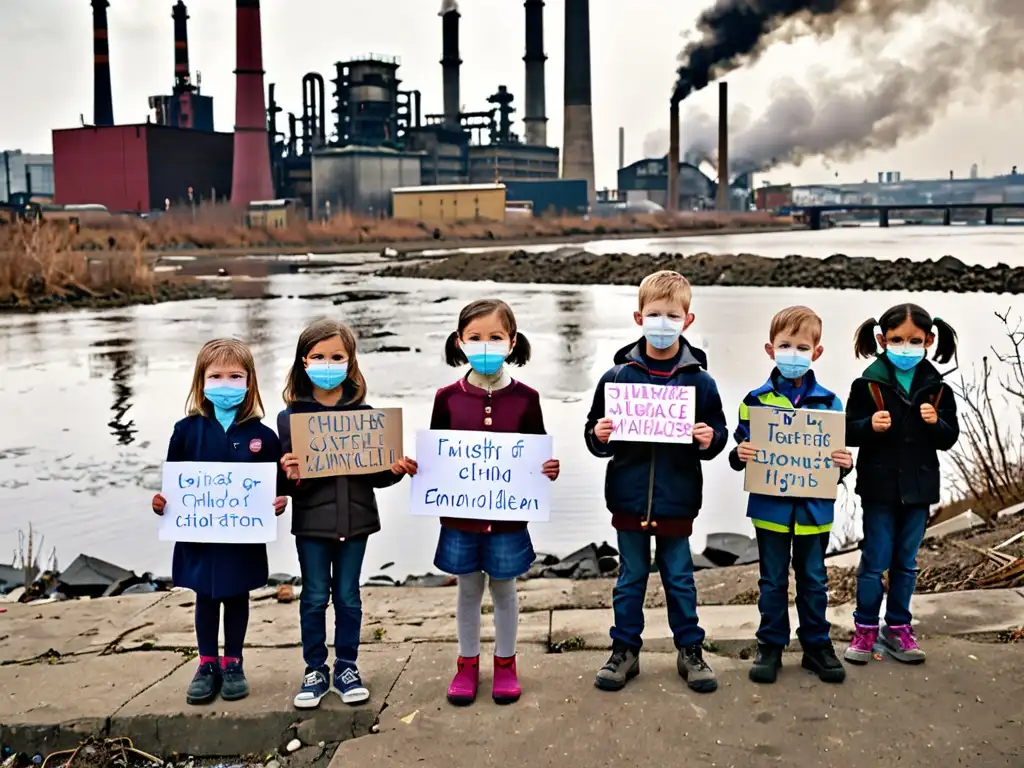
{"points": [[499, 555]]}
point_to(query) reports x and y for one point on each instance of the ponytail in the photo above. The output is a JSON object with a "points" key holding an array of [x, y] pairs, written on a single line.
{"points": [[945, 341], [864, 342], [520, 353], [453, 354]]}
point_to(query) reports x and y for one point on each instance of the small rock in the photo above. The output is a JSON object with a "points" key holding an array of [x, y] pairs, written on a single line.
{"points": [[273, 764], [294, 745]]}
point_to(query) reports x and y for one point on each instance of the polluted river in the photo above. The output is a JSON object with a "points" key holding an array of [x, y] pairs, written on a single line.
{"points": [[90, 397]]}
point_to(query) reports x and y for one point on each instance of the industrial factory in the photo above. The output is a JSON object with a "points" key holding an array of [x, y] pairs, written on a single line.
{"points": [[379, 139]]}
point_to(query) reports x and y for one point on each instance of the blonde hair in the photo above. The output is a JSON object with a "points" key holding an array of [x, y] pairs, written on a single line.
{"points": [[297, 386], [665, 284], [795, 320], [225, 352]]}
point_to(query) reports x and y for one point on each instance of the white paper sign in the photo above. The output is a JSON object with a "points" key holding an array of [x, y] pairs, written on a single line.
{"points": [[482, 476], [650, 413], [219, 502]]}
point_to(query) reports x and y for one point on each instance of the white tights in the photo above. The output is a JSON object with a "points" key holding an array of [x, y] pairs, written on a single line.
{"points": [[506, 615]]}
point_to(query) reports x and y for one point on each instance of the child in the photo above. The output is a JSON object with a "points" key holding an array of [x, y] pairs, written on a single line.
{"points": [[655, 489], [487, 399], [900, 414], [332, 517], [784, 523], [223, 424]]}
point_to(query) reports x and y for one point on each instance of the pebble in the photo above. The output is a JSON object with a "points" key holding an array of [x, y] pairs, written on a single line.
{"points": [[294, 745], [273, 764]]}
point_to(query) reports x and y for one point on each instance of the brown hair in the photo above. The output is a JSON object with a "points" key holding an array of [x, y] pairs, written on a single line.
{"points": [[225, 352], [795, 320], [865, 344], [665, 284], [297, 385], [520, 352]]}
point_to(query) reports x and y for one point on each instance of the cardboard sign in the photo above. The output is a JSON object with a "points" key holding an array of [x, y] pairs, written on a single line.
{"points": [[794, 456], [650, 413], [482, 476], [346, 442], [219, 502]]}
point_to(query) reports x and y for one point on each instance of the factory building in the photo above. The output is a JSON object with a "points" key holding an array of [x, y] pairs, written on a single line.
{"points": [[648, 180], [25, 174], [449, 203], [360, 179]]}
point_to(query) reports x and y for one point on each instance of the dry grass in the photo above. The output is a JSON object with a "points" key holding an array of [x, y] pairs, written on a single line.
{"points": [[40, 261], [221, 228]]}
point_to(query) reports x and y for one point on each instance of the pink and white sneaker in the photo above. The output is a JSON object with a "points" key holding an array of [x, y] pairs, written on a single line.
{"points": [[463, 688], [900, 643], [506, 681], [862, 647]]}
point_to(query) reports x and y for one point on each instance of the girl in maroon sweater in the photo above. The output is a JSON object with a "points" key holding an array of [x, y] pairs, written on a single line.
{"points": [[487, 399]]}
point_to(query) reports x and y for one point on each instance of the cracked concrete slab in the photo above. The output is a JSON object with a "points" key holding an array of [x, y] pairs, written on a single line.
{"points": [[49, 706], [159, 721]]}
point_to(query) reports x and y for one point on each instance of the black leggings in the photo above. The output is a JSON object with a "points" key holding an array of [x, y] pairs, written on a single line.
{"points": [[236, 621]]}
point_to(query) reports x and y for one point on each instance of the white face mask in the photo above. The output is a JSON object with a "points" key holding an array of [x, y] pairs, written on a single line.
{"points": [[486, 357], [662, 332], [229, 383]]}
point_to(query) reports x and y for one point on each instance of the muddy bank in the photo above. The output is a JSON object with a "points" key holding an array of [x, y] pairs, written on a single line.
{"points": [[703, 269], [81, 298]]}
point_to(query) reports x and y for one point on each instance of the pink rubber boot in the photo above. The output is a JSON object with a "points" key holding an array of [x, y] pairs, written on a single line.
{"points": [[462, 691], [506, 681]]}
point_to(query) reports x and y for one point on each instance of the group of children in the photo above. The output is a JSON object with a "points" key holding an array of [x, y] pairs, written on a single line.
{"points": [[898, 413]]}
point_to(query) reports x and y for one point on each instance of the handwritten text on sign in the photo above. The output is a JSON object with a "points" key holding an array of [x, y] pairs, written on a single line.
{"points": [[227, 503], [482, 476], [650, 413], [346, 442], [794, 456]]}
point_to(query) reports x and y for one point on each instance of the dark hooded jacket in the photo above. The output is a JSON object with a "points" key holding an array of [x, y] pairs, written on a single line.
{"points": [[901, 465], [658, 480]]}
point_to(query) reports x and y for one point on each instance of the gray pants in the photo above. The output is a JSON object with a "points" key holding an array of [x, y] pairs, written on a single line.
{"points": [[506, 615]]}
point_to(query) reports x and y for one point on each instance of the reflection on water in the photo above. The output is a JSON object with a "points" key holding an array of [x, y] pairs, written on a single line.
{"points": [[91, 397]]}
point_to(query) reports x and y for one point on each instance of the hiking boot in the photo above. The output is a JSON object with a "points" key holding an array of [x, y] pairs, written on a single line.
{"points": [[899, 642], [315, 686], [822, 661], [767, 664], [506, 688], [234, 686], [349, 684], [462, 691], [862, 647], [695, 671], [205, 685], [622, 666]]}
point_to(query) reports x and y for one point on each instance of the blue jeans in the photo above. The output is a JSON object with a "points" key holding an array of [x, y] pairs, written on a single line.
{"points": [[892, 536], [330, 571], [672, 555], [811, 587]]}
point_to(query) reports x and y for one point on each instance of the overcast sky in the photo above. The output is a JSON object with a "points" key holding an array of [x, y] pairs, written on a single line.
{"points": [[46, 54]]}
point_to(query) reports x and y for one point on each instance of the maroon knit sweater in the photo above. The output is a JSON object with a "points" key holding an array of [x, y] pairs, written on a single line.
{"points": [[514, 408]]}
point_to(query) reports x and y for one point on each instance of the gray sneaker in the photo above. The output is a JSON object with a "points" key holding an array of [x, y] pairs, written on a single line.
{"points": [[622, 666], [695, 671]]}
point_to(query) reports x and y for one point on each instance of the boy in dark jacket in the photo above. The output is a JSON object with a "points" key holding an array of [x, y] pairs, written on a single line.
{"points": [[784, 523], [655, 489]]}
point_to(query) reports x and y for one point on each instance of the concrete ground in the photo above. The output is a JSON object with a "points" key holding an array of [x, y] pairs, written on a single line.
{"points": [[120, 666]]}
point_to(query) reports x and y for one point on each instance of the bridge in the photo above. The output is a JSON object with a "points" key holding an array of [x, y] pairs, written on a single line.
{"points": [[815, 213]]}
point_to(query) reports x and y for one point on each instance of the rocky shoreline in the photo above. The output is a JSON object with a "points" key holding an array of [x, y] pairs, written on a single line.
{"points": [[83, 299], [578, 267]]}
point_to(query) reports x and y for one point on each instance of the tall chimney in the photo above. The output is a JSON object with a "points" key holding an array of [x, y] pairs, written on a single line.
{"points": [[103, 102], [578, 143], [672, 191], [536, 94], [182, 74], [622, 146], [250, 179], [722, 203], [450, 61]]}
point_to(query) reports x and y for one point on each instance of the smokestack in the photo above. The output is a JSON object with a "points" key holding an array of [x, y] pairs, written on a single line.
{"points": [[578, 142], [672, 192], [450, 61], [182, 76], [103, 102], [536, 94], [250, 179], [722, 203], [622, 147]]}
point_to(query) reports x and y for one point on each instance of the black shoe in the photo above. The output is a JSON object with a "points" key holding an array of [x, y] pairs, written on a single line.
{"points": [[622, 666], [205, 685], [822, 661], [234, 686], [767, 664], [695, 671]]}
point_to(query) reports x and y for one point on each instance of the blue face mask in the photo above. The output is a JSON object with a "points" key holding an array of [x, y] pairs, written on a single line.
{"points": [[223, 397], [486, 357], [327, 375], [792, 364], [662, 332], [904, 358]]}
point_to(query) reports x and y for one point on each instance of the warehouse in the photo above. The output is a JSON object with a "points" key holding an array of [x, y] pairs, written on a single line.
{"points": [[449, 202], [360, 179]]}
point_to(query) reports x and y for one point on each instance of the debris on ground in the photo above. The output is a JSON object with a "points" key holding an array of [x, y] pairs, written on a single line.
{"points": [[991, 557], [842, 588]]}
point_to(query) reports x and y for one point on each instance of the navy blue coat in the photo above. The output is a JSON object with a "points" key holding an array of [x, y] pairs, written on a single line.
{"points": [[658, 480], [221, 570]]}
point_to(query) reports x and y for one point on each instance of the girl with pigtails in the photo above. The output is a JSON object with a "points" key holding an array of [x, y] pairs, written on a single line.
{"points": [[900, 414]]}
